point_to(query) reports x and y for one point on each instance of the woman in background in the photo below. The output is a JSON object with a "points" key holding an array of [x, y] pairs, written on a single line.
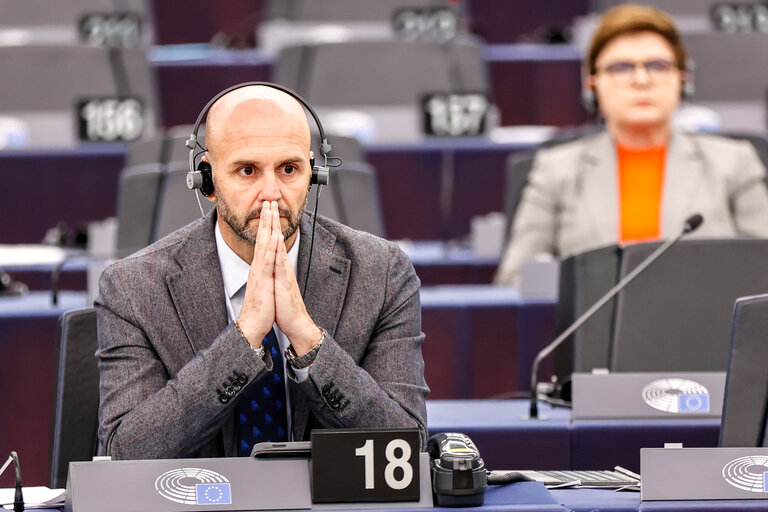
{"points": [[640, 179]]}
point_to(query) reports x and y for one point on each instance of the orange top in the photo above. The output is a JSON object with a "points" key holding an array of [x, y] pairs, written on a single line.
{"points": [[641, 178]]}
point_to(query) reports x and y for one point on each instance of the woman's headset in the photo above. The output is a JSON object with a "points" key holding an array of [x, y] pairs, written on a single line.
{"points": [[200, 176]]}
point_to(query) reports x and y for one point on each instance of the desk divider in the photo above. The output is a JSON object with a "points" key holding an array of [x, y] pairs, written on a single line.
{"points": [[234, 483], [679, 395], [704, 473]]}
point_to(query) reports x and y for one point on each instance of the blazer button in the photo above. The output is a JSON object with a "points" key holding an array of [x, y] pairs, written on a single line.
{"points": [[242, 379], [223, 398], [229, 391], [236, 385], [326, 390]]}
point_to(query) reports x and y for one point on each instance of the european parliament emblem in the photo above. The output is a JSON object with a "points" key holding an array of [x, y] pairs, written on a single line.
{"points": [[748, 473], [213, 494], [693, 402], [194, 486]]}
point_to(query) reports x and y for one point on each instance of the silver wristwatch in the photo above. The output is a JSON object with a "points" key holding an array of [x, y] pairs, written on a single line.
{"points": [[299, 362]]}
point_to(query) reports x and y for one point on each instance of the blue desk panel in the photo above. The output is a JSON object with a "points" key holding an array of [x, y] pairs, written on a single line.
{"points": [[622, 439], [590, 500], [504, 438]]}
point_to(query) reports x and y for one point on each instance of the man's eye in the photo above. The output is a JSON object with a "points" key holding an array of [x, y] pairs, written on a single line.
{"points": [[246, 171], [289, 169]]}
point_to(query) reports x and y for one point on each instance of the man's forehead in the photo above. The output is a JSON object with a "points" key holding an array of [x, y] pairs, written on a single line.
{"points": [[254, 107]]}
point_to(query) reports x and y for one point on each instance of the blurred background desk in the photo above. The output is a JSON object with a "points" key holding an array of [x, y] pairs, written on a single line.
{"points": [[81, 185], [27, 378], [507, 440]]}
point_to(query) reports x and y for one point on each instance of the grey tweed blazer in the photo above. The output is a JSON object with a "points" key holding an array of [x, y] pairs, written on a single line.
{"points": [[171, 366]]}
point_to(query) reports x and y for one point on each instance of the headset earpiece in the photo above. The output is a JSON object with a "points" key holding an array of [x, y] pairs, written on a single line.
{"points": [[320, 174], [588, 96], [688, 88], [204, 168], [201, 179], [589, 99]]}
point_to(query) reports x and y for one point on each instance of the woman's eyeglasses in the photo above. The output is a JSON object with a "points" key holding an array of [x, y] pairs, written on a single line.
{"points": [[625, 72]]}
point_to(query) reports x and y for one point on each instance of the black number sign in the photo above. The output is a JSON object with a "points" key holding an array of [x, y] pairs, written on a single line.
{"points": [[454, 114], [113, 29], [110, 119], [435, 24], [351, 465], [732, 18]]}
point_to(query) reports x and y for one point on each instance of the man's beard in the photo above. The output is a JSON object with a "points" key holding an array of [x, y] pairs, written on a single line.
{"points": [[242, 227]]}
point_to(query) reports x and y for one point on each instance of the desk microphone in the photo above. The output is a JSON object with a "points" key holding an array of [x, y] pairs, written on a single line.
{"points": [[691, 224]]}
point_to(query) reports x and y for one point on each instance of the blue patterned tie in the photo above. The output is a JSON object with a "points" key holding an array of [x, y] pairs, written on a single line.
{"points": [[261, 411]]}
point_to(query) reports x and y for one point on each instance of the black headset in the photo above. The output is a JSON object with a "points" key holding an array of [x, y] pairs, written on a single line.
{"points": [[200, 176]]}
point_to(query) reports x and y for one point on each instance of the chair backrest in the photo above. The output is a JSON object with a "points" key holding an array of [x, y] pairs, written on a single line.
{"points": [[677, 315], [328, 75], [518, 166], [137, 207], [746, 388], [46, 22], [47, 82], [176, 205], [759, 142], [147, 151], [354, 194], [75, 419], [342, 10]]}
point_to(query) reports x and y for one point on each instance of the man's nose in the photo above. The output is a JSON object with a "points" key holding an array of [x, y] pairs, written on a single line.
{"points": [[270, 188]]}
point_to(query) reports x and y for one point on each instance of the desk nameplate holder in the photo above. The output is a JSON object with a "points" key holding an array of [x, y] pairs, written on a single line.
{"points": [[233, 483], [704, 473], [680, 395]]}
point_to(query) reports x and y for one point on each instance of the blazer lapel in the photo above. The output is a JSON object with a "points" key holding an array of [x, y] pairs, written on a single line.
{"points": [[599, 185], [323, 296], [683, 174], [198, 290]]}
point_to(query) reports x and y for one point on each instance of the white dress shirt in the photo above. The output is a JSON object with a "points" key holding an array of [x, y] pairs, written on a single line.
{"points": [[234, 273]]}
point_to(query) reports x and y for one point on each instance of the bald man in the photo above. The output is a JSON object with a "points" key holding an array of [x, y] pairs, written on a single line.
{"points": [[207, 344]]}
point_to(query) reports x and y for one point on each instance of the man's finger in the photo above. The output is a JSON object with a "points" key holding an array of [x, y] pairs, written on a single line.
{"points": [[264, 231], [272, 218]]}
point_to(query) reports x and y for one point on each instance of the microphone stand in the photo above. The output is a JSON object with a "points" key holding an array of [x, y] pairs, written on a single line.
{"points": [[691, 224]]}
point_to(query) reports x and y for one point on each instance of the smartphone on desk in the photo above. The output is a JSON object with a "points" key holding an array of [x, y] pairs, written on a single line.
{"points": [[292, 449]]}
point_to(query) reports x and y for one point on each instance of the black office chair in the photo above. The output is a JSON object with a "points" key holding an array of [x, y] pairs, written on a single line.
{"points": [[746, 389], [758, 142], [518, 166], [352, 198], [520, 163], [137, 206], [76, 405]]}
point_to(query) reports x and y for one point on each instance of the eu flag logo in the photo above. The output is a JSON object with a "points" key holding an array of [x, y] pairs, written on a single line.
{"points": [[694, 402], [213, 494]]}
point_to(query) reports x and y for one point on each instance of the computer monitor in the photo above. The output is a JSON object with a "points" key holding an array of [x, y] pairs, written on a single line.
{"points": [[746, 388], [676, 316]]}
